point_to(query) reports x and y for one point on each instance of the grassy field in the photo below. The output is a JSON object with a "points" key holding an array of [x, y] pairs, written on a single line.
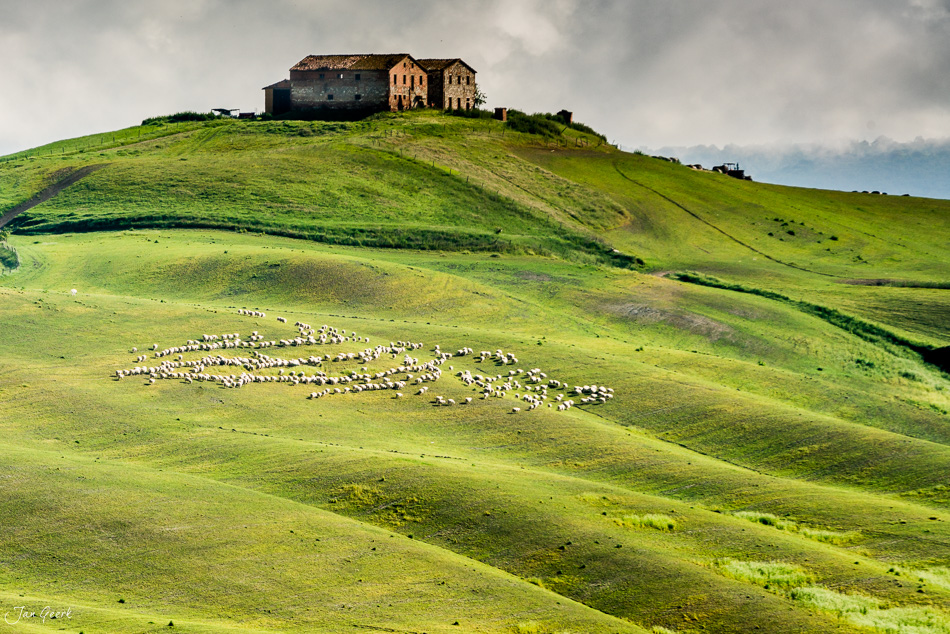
{"points": [[774, 456]]}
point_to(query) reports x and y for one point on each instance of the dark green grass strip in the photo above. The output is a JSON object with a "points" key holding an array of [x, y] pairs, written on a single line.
{"points": [[564, 244], [422, 239], [898, 283], [872, 333]]}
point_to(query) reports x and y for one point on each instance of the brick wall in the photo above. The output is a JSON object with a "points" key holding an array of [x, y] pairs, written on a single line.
{"points": [[408, 86]]}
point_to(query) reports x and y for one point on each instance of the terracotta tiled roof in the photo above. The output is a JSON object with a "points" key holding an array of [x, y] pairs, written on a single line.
{"points": [[441, 64], [283, 83], [350, 62]]}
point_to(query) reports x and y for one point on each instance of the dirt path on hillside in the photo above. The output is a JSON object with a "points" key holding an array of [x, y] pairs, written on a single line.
{"points": [[50, 191], [731, 237]]}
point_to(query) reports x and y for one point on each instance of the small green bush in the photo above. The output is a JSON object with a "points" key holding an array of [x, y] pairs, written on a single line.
{"points": [[769, 574], [830, 601], [765, 518], [586, 129], [868, 612], [533, 124], [835, 538], [9, 258], [546, 124], [178, 117], [472, 113], [820, 535], [650, 520], [360, 494]]}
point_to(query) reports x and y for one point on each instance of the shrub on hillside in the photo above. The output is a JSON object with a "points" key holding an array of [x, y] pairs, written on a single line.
{"points": [[9, 259], [472, 113], [655, 521], [533, 124], [8, 255], [769, 574], [178, 117], [546, 124], [580, 127]]}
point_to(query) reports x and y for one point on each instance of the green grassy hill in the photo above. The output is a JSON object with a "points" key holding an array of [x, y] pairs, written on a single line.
{"points": [[774, 457]]}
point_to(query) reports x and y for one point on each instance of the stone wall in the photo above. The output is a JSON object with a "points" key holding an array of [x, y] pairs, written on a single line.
{"points": [[400, 88], [458, 88], [452, 88], [339, 89], [409, 86]]}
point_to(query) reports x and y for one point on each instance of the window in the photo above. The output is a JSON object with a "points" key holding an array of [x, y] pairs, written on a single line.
{"points": [[394, 80], [358, 97], [357, 76], [339, 76], [403, 80], [468, 80], [321, 75], [422, 79], [412, 81], [329, 97]]}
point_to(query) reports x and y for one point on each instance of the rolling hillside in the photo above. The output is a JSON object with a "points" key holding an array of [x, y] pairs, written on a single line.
{"points": [[773, 456]]}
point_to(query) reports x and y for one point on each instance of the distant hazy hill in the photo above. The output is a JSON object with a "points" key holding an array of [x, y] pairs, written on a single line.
{"points": [[919, 168]]}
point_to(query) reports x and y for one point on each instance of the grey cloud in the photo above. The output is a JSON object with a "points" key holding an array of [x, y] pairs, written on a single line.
{"points": [[646, 72]]}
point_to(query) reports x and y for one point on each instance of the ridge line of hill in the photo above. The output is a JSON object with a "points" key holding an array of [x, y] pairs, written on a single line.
{"points": [[706, 222], [558, 475], [319, 508], [250, 490]]}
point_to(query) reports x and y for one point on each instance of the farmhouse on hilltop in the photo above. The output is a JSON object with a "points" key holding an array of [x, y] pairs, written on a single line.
{"points": [[371, 83]]}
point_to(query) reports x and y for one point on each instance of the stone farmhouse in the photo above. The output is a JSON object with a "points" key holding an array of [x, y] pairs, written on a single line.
{"points": [[372, 83], [451, 83]]}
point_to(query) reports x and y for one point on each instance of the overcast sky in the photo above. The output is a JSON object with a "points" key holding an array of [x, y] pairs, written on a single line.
{"points": [[644, 72]]}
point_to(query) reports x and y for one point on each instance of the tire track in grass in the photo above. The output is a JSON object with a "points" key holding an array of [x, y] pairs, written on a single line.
{"points": [[709, 224]]}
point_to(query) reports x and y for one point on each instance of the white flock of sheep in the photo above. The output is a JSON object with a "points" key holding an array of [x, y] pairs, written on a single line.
{"points": [[531, 387]]}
